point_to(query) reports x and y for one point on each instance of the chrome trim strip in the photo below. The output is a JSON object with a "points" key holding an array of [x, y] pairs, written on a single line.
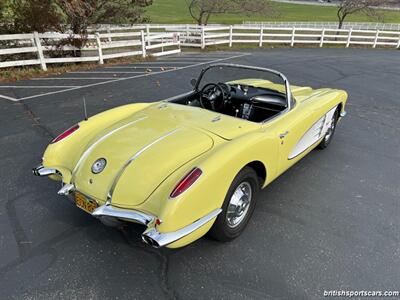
{"points": [[137, 154], [91, 147], [177, 96], [66, 189], [159, 239], [128, 214], [40, 170]]}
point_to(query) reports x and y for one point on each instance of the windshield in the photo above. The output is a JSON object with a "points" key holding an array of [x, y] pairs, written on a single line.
{"points": [[243, 76]]}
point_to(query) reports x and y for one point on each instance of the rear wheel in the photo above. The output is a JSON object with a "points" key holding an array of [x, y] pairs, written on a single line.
{"points": [[238, 206], [330, 132]]}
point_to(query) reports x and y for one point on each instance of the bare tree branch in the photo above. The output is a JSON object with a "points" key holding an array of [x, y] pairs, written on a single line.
{"points": [[368, 7], [202, 10]]}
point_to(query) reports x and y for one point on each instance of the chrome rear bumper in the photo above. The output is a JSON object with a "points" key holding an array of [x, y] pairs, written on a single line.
{"points": [[152, 236], [42, 171], [113, 215], [159, 239]]}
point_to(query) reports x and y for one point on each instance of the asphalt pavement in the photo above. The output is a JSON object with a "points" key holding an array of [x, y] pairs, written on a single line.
{"points": [[329, 223]]}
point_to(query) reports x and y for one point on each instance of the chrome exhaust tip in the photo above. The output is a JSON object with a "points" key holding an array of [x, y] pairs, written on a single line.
{"points": [[149, 241]]}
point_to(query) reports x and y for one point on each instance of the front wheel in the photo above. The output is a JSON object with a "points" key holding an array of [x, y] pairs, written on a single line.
{"points": [[238, 206], [330, 132]]}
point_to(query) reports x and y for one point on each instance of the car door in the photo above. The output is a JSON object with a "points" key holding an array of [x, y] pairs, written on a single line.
{"points": [[292, 129]]}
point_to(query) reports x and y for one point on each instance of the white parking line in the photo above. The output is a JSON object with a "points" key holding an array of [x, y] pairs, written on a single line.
{"points": [[73, 78], [105, 72], [37, 86], [189, 58], [148, 67], [133, 67], [198, 55], [8, 98], [132, 77], [164, 62]]}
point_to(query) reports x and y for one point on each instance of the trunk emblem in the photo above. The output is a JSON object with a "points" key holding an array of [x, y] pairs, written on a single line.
{"points": [[99, 165]]}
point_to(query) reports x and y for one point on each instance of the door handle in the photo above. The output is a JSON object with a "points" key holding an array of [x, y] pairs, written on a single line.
{"points": [[282, 135]]}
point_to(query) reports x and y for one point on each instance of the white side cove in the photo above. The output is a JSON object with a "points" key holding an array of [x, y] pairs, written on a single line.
{"points": [[317, 131]]}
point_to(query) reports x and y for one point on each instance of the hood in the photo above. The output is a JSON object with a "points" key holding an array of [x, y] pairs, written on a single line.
{"points": [[141, 152]]}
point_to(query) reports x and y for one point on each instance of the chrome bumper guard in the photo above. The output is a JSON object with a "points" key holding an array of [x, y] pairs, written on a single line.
{"points": [[66, 189], [127, 214], [42, 171]]}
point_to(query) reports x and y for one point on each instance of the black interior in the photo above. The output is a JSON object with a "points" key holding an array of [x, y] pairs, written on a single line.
{"points": [[242, 101]]}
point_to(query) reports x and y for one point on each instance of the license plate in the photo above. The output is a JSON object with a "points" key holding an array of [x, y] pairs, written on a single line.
{"points": [[84, 203]]}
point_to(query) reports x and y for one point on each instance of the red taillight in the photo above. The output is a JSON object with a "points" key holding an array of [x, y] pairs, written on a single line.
{"points": [[186, 182], [65, 133]]}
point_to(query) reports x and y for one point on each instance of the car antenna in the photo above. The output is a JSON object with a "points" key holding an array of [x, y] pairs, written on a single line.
{"points": [[84, 108]]}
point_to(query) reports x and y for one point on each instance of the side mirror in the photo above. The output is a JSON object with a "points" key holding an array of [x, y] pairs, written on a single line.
{"points": [[193, 82]]}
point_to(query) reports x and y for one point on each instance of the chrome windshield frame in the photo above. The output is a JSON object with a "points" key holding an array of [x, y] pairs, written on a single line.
{"points": [[271, 71]]}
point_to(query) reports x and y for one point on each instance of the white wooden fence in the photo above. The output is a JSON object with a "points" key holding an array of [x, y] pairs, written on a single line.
{"points": [[156, 40], [215, 34], [97, 47], [332, 25], [263, 36]]}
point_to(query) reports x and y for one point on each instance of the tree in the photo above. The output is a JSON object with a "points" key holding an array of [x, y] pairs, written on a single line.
{"points": [[202, 10], [5, 16], [25, 16], [63, 15], [79, 14], [348, 7]]}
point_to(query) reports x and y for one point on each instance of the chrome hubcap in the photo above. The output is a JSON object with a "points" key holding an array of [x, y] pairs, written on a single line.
{"points": [[331, 129], [239, 204]]}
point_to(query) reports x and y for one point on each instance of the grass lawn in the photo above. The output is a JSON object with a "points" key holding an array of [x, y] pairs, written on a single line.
{"points": [[175, 11]]}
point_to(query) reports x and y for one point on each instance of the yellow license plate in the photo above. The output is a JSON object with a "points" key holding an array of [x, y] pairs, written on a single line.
{"points": [[84, 203]]}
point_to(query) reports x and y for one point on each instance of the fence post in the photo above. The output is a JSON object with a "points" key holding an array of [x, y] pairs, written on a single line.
{"points": [[322, 37], [261, 35], [293, 33], [143, 40], [148, 34], [398, 43], [376, 38], [178, 36], [230, 35], [99, 49], [109, 38], [40, 51], [349, 37], [187, 33], [203, 37]]}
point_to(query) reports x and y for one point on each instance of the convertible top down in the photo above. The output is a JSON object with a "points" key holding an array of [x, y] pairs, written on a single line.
{"points": [[193, 163]]}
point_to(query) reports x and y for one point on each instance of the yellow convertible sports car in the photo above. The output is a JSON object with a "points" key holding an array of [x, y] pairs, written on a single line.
{"points": [[193, 163]]}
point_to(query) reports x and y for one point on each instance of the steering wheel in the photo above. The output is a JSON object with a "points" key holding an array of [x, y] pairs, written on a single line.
{"points": [[213, 96]]}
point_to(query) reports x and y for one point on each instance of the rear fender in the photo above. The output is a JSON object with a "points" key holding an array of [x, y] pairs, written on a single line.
{"points": [[219, 167]]}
